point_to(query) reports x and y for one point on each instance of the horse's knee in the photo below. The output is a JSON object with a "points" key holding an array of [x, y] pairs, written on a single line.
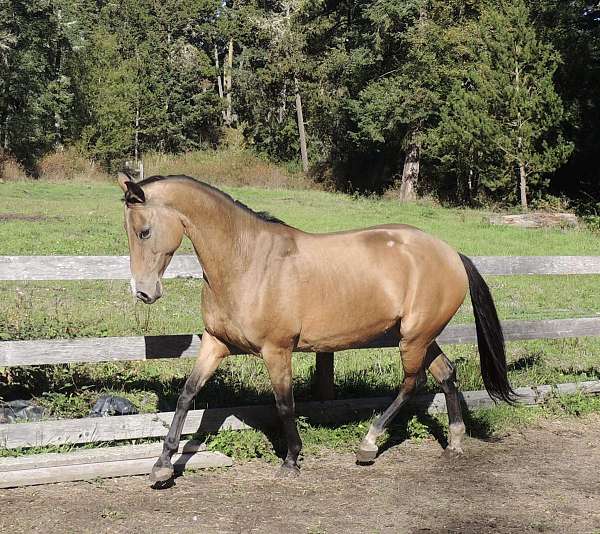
{"points": [[285, 410]]}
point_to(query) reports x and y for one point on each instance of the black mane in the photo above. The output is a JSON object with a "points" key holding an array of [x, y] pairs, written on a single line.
{"points": [[262, 215]]}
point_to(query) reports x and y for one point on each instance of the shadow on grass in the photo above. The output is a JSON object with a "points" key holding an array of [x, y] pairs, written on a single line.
{"points": [[525, 362], [226, 396]]}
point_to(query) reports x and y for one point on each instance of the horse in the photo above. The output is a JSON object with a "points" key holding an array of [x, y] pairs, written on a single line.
{"points": [[270, 289]]}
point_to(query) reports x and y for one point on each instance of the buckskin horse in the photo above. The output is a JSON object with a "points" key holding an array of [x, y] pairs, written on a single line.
{"points": [[270, 289]]}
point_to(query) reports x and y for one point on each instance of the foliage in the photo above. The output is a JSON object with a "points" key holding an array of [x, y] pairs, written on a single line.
{"points": [[242, 446], [488, 91], [501, 118]]}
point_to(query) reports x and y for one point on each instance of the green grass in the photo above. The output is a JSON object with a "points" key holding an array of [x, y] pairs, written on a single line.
{"points": [[85, 219], [80, 218]]}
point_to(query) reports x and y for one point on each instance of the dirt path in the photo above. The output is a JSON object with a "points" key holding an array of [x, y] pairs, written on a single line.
{"points": [[545, 479]]}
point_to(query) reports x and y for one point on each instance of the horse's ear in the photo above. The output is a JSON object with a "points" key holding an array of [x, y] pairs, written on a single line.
{"points": [[122, 179], [134, 194]]}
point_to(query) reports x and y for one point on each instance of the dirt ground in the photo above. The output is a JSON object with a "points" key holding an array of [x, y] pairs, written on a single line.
{"points": [[544, 479]]}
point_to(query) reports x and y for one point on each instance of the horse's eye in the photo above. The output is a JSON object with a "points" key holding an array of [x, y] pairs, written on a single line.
{"points": [[144, 234]]}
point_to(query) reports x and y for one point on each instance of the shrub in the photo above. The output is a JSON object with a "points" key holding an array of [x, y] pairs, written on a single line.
{"points": [[69, 164]]}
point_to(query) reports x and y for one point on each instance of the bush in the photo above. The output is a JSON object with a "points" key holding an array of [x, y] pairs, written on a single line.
{"points": [[10, 169], [69, 164], [230, 166]]}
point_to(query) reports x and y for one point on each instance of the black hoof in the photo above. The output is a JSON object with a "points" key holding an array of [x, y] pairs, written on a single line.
{"points": [[288, 471]]}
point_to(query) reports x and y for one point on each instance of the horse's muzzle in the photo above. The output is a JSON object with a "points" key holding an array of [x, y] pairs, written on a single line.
{"points": [[146, 299]]}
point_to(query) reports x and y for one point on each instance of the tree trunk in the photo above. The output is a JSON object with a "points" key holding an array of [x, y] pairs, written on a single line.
{"points": [[523, 185], [410, 173], [219, 83], [301, 131], [4, 132], [282, 108], [58, 121], [136, 144], [229, 115]]}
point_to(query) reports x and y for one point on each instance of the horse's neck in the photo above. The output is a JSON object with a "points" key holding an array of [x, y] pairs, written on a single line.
{"points": [[223, 235]]}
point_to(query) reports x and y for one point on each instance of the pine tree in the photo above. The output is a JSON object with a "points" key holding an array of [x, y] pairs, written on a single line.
{"points": [[502, 121], [35, 87], [401, 103]]}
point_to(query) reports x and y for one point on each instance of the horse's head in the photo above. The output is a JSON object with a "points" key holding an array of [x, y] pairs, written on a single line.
{"points": [[155, 232]]}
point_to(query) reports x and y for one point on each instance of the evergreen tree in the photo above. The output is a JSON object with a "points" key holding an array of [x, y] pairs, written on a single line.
{"points": [[574, 29], [402, 103], [502, 122], [35, 88]]}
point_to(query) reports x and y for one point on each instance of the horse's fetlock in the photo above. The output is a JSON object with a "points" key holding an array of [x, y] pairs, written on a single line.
{"points": [[171, 443], [295, 448]]}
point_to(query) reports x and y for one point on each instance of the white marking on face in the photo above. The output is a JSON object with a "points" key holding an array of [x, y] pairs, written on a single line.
{"points": [[132, 285], [390, 243]]}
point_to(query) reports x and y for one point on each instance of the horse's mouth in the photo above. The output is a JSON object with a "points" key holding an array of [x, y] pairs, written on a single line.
{"points": [[145, 298]]}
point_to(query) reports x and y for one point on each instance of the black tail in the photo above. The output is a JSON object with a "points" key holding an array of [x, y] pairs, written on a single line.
{"points": [[490, 339]]}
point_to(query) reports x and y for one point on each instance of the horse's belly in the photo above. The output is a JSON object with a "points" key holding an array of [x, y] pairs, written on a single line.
{"points": [[334, 327]]}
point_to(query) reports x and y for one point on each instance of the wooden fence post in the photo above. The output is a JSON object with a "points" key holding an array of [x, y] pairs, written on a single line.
{"points": [[324, 386]]}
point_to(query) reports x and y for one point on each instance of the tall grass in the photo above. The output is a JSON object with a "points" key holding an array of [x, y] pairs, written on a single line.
{"points": [[231, 166], [10, 169], [71, 165]]}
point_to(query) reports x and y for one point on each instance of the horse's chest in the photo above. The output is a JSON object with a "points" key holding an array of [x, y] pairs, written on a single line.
{"points": [[227, 323]]}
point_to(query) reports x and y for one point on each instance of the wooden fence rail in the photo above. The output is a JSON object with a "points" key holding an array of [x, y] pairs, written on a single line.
{"points": [[103, 349], [187, 266], [129, 427], [14, 353]]}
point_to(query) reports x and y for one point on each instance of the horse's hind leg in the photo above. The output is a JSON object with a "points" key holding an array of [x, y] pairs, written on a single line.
{"points": [[212, 352], [444, 372], [413, 360]]}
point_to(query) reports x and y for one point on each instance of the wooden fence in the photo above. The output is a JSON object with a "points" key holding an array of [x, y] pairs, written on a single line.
{"points": [[15, 353]]}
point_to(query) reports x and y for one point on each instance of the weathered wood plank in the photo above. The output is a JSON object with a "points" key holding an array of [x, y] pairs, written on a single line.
{"points": [[522, 265], [91, 456], [91, 430], [125, 427], [187, 345], [108, 469], [187, 266], [97, 349], [87, 267]]}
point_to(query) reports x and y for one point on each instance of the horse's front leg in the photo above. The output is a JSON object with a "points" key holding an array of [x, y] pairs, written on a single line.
{"points": [[211, 354], [279, 365]]}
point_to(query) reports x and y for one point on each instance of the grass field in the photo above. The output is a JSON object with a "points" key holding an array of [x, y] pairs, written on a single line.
{"points": [[80, 219]]}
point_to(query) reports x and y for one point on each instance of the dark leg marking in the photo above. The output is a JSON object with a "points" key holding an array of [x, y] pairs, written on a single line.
{"points": [[444, 372], [279, 365], [211, 354]]}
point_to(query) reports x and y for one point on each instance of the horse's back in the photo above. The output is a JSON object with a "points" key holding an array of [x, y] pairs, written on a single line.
{"points": [[353, 285]]}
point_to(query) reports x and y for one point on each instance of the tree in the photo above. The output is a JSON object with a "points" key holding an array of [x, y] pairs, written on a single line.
{"points": [[384, 78], [574, 30], [36, 91], [401, 102], [505, 115], [150, 80]]}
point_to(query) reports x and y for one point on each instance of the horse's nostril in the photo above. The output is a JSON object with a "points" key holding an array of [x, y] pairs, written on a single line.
{"points": [[142, 296]]}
